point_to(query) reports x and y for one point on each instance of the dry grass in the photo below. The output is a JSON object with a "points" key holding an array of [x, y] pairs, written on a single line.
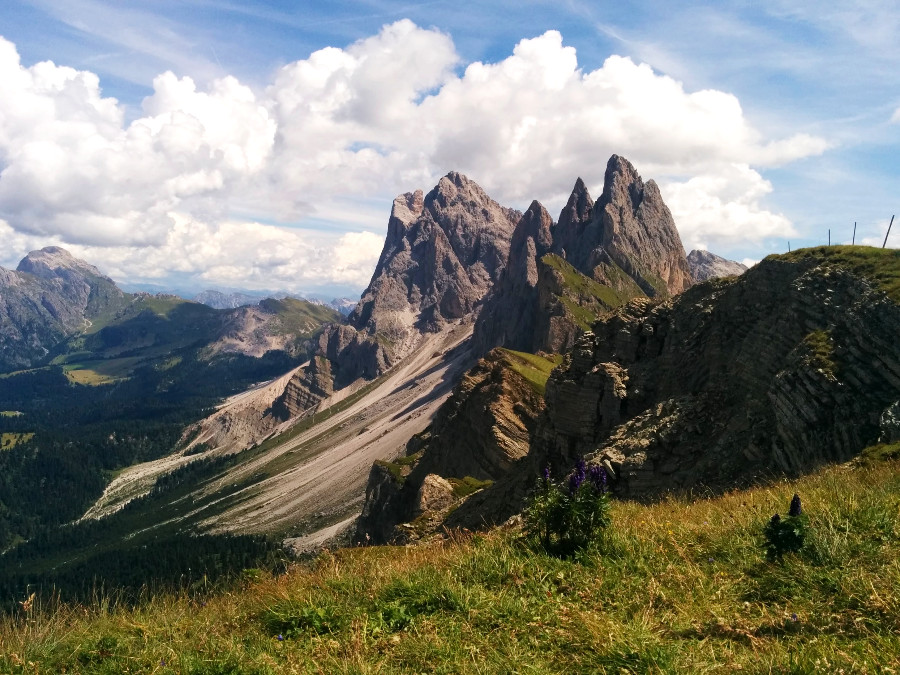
{"points": [[679, 586]]}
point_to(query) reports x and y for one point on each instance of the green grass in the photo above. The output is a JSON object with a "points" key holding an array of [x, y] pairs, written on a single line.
{"points": [[299, 317], [881, 266], [463, 487], [582, 285], [677, 587], [821, 349], [536, 369], [100, 371], [10, 440]]}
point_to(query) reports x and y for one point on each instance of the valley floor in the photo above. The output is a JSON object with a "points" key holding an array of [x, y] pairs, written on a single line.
{"points": [[678, 586]]}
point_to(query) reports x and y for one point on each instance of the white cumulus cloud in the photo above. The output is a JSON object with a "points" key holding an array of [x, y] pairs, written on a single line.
{"points": [[276, 187]]}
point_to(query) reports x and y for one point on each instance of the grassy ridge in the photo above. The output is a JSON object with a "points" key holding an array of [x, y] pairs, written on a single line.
{"points": [[880, 265], [679, 587]]}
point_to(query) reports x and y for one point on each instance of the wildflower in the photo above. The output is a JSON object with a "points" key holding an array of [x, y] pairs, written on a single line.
{"points": [[794, 617], [577, 477], [598, 477], [279, 637], [775, 520], [796, 510], [546, 474]]}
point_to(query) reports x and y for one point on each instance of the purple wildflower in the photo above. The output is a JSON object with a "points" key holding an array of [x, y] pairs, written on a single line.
{"points": [[546, 473], [794, 617], [776, 519], [279, 637], [577, 477], [796, 509], [598, 477]]}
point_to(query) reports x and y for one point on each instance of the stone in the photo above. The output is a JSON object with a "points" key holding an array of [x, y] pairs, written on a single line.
{"points": [[890, 424]]}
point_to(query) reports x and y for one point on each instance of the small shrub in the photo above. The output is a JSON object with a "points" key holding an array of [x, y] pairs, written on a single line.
{"points": [[565, 518], [786, 535]]}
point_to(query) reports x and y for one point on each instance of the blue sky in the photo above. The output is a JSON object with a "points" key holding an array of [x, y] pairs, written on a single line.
{"points": [[800, 131]]}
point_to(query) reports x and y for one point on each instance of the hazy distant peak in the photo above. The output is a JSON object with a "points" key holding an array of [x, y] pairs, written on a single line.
{"points": [[48, 262], [705, 265]]}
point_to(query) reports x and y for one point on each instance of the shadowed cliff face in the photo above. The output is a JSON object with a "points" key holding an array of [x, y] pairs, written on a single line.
{"points": [[785, 368], [482, 431]]}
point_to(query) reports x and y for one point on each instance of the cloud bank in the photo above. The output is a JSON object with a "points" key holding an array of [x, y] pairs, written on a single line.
{"points": [[289, 186]]}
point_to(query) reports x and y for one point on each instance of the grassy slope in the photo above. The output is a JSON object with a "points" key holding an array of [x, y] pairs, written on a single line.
{"points": [[882, 266], [680, 587], [536, 369]]}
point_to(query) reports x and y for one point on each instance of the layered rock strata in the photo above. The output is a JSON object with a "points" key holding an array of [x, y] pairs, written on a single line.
{"points": [[788, 367]]}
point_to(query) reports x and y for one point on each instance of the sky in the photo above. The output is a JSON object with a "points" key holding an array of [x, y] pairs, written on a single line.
{"points": [[191, 144]]}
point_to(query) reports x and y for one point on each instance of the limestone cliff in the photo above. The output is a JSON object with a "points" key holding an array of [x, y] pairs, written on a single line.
{"points": [[443, 253], [563, 276]]}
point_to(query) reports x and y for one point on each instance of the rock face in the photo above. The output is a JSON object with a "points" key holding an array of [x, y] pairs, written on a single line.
{"points": [[50, 296], [785, 368], [630, 227], [482, 432], [443, 253], [705, 265], [303, 391], [562, 276]]}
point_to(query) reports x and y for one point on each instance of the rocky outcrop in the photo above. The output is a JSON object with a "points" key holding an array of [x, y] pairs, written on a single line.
{"points": [[482, 432], [785, 368], [305, 389], [705, 265], [443, 253], [50, 296], [563, 276]]}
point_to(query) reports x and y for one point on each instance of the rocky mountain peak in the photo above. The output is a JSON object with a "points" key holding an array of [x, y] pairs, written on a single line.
{"points": [[705, 265], [573, 219], [51, 261], [407, 207], [532, 238], [637, 231]]}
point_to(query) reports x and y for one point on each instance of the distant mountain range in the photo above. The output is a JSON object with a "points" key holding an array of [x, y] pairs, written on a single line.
{"points": [[234, 299], [54, 304]]}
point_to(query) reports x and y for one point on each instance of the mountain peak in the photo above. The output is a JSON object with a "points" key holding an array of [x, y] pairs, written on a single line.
{"points": [[705, 265], [48, 262]]}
